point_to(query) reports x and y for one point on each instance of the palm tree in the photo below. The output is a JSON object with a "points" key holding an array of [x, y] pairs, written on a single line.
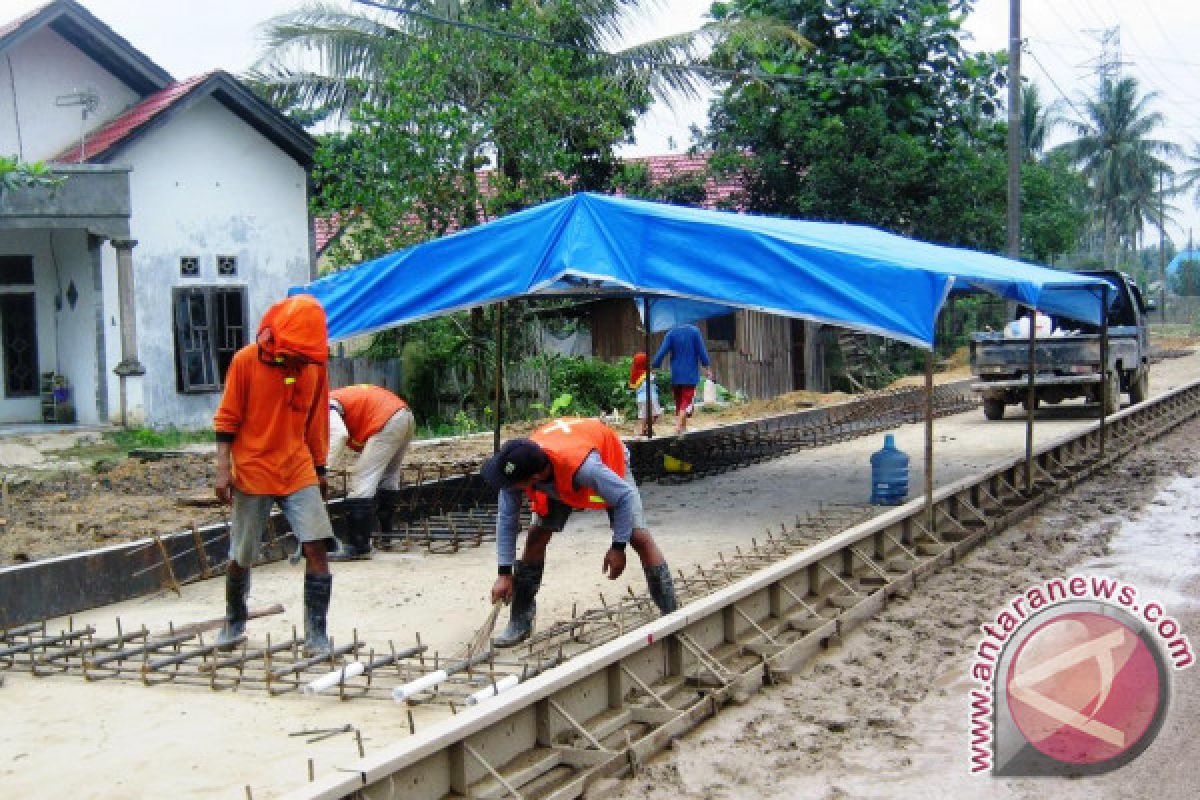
{"points": [[1189, 179], [1119, 159], [328, 58], [1037, 121]]}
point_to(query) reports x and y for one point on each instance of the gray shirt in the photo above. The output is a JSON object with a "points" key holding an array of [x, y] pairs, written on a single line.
{"points": [[594, 474]]}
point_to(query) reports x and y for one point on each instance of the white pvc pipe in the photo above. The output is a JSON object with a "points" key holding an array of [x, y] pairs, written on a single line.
{"points": [[492, 690], [400, 693], [332, 679]]}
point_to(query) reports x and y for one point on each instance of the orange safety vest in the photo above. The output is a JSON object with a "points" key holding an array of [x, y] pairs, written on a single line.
{"points": [[567, 443], [365, 410]]}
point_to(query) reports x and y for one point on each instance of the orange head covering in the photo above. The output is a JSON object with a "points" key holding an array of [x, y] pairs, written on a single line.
{"points": [[295, 327], [637, 371]]}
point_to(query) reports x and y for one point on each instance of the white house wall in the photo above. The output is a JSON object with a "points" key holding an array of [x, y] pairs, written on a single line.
{"points": [[206, 184], [66, 336], [41, 68]]}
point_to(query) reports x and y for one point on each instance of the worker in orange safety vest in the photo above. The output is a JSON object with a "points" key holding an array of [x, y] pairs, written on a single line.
{"points": [[378, 425], [566, 465]]}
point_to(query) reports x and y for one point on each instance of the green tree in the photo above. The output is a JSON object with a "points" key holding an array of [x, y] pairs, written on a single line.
{"points": [[1190, 177], [1121, 160], [458, 99], [331, 58], [682, 188], [1037, 121], [451, 101], [1185, 280], [1054, 210], [885, 119]]}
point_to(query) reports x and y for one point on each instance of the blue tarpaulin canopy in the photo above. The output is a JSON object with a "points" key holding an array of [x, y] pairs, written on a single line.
{"points": [[702, 262]]}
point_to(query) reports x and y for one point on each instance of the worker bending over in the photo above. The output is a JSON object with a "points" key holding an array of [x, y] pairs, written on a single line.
{"points": [[272, 429], [378, 425], [566, 465]]}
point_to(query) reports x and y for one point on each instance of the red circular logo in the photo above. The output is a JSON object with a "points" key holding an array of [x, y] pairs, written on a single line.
{"points": [[1083, 688]]}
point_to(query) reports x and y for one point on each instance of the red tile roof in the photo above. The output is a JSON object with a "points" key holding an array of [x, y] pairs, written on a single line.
{"points": [[327, 228], [99, 141], [719, 193]]}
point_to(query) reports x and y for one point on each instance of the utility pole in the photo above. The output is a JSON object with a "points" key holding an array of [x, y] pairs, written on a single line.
{"points": [[1014, 129], [1162, 251]]}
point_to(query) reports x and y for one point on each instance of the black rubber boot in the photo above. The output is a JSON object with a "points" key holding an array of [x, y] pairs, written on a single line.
{"points": [[386, 502], [317, 589], [662, 588], [527, 579], [237, 588], [359, 518]]}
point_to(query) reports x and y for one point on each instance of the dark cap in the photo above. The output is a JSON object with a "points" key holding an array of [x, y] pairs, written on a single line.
{"points": [[516, 460]]}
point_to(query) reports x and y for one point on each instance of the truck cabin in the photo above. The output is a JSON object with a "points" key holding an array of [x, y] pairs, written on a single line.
{"points": [[1127, 309]]}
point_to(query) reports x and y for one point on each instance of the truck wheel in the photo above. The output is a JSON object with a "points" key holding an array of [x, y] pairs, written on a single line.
{"points": [[993, 408], [1139, 389]]}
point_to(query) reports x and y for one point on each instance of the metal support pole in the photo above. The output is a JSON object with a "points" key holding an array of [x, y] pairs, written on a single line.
{"points": [[1030, 400], [498, 401], [649, 378], [1104, 381], [929, 438]]}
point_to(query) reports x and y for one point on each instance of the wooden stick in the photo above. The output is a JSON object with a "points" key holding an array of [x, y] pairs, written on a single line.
{"points": [[172, 582], [213, 624]]}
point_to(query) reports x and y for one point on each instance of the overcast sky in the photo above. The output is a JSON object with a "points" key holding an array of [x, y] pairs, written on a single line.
{"points": [[1156, 40]]}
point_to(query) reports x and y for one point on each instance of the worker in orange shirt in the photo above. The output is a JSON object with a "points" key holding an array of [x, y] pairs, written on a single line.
{"points": [[379, 426], [566, 465], [272, 430]]}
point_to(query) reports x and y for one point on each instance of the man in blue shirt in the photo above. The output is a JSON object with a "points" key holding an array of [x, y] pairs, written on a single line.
{"points": [[686, 348]]}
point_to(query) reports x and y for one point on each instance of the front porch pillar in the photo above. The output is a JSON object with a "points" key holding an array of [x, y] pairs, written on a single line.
{"points": [[130, 368]]}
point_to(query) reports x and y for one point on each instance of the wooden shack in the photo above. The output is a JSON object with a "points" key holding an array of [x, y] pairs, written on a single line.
{"points": [[759, 354]]}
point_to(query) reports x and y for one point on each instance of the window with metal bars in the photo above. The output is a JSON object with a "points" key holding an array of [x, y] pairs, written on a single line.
{"points": [[210, 326]]}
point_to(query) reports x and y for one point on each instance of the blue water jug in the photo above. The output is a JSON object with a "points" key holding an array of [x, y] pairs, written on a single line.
{"points": [[889, 474]]}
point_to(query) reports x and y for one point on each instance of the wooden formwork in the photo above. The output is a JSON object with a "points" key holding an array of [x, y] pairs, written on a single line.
{"points": [[604, 712]]}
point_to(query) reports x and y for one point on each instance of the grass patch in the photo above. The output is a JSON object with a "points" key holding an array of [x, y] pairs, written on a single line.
{"points": [[118, 444], [149, 438]]}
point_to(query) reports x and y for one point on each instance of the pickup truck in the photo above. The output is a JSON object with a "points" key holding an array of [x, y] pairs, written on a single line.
{"points": [[1068, 360]]}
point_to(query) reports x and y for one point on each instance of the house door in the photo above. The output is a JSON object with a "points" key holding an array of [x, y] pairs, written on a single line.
{"points": [[798, 373], [18, 339]]}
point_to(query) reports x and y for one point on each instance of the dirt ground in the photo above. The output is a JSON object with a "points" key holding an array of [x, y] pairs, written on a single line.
{"points": [[57, 497], [123, 739], [885, 715]]}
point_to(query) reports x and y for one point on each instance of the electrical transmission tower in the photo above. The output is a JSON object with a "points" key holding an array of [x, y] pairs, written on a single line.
{"points": [[1107, 66]]}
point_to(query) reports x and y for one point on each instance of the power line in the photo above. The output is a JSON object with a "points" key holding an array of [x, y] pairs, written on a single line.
{"points": [[1054, 83], [1054, 9], [1140, 53], [1165, 82], [1168, 90], [639, 62], [1166, 37], [1186, 93]]}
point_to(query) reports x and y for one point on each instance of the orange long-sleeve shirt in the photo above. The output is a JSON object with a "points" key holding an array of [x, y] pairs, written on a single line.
{"points": [[279, 420], [365, 409]]}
